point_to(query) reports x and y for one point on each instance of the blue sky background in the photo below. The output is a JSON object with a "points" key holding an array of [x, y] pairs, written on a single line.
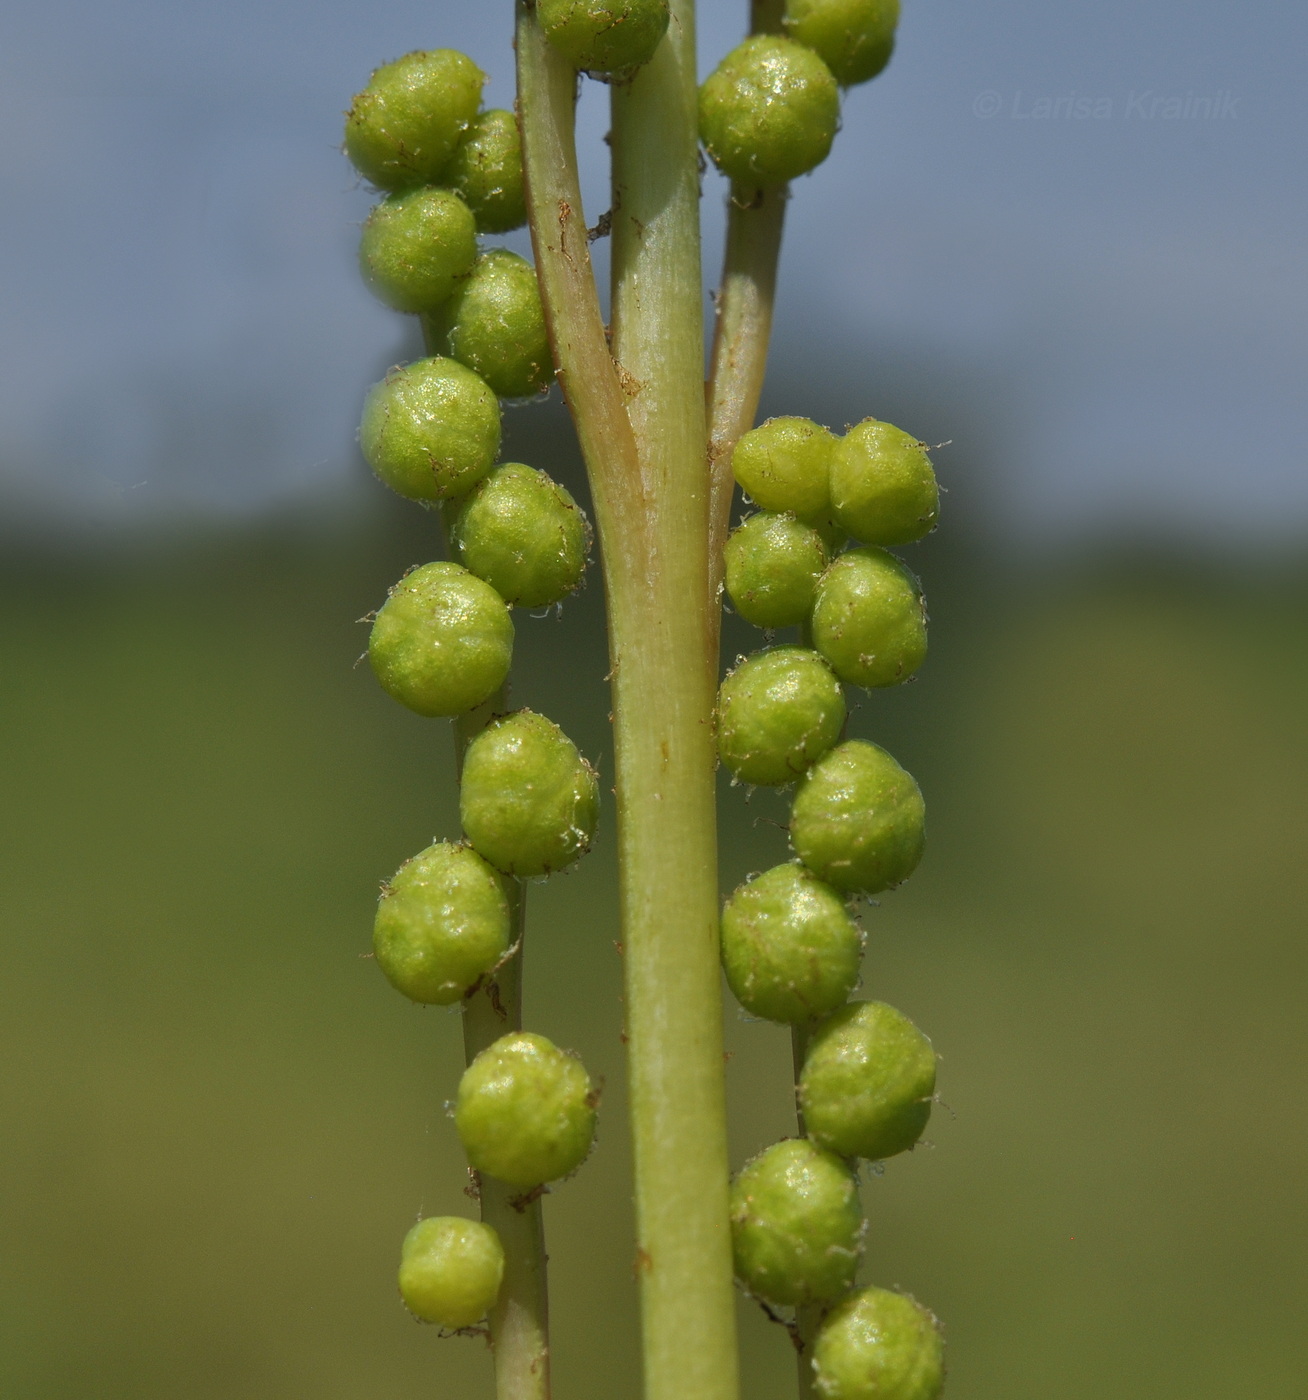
{"points": [[1105, 312]]}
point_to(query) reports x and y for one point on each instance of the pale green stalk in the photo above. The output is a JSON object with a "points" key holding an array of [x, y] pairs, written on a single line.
{"points": [[642, 432], [743, 326], [519, 1322], [806, 1318]]}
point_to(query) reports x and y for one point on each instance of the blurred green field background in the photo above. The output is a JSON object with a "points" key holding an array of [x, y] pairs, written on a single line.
{"points": [[219, 1121]]}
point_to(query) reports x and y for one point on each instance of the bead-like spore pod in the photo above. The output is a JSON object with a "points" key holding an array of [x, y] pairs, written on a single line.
{"points": [[796, 1224], [858, 820], [869, 619], [778, 711], [525, 1111], [883, 486], [451, 1270], [496, 325], [769, 111], [486, 170], [529, 801], [403, 127], [855, 38], [416, 246], [442, 924], [790, 951], [868, 1078], [785, 465], [878, 1345], [431, 429], [442, 642], [773, 563], [604, 36], [523, 533]]}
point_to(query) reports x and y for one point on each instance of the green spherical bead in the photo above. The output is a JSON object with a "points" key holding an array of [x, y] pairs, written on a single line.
{"points": [[442, 642], [403, 127], [523, 533], [867, 1082], [525, 1111], [785, 465], [855, 38], [883, 487], [442, 924], [496, 325], [858, 820], [430, 429], [869, 619], [451, 1270], [879, 1345], [769, 111], [796, 1224], [789, 948], [416, 246], [529, 801], [604, 36], [773, 563], [486, 169], [778, 711]]}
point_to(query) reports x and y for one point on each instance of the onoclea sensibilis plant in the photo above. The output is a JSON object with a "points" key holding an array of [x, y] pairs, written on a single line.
{"points": [[663, 458]]}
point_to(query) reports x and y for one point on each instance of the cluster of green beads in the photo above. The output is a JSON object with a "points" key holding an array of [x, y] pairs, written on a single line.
{"points": [[791, 950], [442, 644], [770, 110]]}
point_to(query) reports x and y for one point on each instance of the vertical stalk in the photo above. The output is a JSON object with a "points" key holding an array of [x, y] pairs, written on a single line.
{"points": [[664, 694], [519, 1322], [743, 326], [641, 428], [806, 1318]]}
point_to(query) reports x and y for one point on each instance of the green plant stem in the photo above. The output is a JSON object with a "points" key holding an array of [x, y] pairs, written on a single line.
{"points": [[642, 432], [806, 1318], [743, 325], [519, 1322], [665, 690]]}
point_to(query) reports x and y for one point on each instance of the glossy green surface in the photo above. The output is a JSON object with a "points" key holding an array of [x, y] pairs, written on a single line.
{"points": [[855, 38], [796, 1224], [790, 950], [496, 325], [605, 36], [529, 801], [430, 429], [883, 486], [869, 619], [778, 711], [450, 1270], [523, 533], [442, 642], [403, 127], [867, 1083], [442, 924], [525, 1111], [416, 246], [486, 170], [785, 465], [773, 563], [879, 1345], [858, 820], [769, 111]]}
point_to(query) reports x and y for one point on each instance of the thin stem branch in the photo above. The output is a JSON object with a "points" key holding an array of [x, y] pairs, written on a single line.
{"points": [[740, 342], [519, 1322], [806, 1318], [743, 326]]}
